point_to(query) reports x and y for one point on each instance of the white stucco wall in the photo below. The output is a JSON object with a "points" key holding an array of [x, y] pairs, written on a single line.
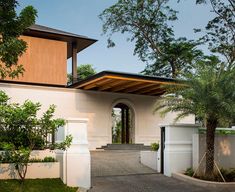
{"points": [[178, 147], [35, 171], [97, 107]]}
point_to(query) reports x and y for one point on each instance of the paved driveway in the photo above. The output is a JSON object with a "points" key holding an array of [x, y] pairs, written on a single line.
{"points": [[146, 183], [121, 171], [113, 163]]}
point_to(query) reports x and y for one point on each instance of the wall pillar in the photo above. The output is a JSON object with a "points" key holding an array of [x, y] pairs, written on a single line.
{"points": [[178, 149], [75, 168], [127, 126], [195, 154], [74, 62], [123, 125]]}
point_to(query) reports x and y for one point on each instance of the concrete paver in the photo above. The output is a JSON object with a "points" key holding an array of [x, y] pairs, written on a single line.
{"points": [[123, 162], [146, 183], [121, 171]]}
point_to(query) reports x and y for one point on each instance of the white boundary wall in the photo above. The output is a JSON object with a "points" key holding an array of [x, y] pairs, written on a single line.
{"points": [[224, 149], [178, 147], [35, 171], [74, 166], [97, 107], [151, 159]]}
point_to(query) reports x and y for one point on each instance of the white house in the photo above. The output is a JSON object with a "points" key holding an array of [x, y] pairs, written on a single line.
{"points": [[45, 81]]}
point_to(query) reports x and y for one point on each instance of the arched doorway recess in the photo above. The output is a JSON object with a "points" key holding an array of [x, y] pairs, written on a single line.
{"points": [[123, 128]]}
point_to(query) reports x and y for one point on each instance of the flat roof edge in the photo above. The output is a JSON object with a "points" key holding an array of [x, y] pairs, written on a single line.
{"points": [[121, 74]]}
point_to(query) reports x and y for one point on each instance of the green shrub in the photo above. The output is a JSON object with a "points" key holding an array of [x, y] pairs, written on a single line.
{"points": [[39, 143], [35, 160], [189, 172], [218, 132], [21, 131], [228, 174], [6, 159], [49, 159], [45, 160], [155, 146]]}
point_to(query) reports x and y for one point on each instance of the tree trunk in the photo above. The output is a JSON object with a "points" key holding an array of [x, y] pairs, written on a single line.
{"points": [[211, 125], [173, 69], [22, 170]]}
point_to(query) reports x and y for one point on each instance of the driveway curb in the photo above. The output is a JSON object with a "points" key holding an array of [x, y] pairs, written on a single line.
{"points": [[203, 183]]}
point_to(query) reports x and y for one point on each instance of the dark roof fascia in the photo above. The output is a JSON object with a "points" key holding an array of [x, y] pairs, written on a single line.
{"points": [[28, 32], [37, 27], [54, 34], [48, 30], [120, 74]]}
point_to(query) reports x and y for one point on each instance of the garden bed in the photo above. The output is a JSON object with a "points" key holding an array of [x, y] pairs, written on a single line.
{"points": [[203, 183], [35, 170]]}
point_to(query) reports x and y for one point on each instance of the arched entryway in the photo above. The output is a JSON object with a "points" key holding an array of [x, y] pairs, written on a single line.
{"points": [[122, 155], [123, 128]]}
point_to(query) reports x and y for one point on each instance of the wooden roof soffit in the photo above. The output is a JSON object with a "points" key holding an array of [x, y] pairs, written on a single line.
{"points": [[122, 83]]}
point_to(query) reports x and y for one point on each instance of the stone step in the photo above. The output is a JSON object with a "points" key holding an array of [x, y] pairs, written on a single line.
{"points": [[125, 147]]}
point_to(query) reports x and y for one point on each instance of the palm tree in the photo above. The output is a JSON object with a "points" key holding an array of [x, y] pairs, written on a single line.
{"points": [[209, 94]]}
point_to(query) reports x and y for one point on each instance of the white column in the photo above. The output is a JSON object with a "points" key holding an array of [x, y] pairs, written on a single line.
{"points": [[195, 150], [76, 161]]}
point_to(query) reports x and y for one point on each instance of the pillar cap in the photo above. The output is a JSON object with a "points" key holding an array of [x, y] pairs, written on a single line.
{"points": [[80, 120]]}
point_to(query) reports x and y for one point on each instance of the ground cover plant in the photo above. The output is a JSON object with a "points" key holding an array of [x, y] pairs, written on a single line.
{"points": [[228, 175], [35, 185]]}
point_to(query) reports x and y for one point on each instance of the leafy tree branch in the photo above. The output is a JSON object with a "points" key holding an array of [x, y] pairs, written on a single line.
{"points": [[11, 45]]}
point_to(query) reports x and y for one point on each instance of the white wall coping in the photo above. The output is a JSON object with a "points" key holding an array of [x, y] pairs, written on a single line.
{"points": [[180, 125], [223, 129], [43, 87], [63, 89], [80, 120], [178, 142]]}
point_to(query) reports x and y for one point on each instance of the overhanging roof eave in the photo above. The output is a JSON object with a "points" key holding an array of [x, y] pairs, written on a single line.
{"points": [[110, 81], [54, 34]]}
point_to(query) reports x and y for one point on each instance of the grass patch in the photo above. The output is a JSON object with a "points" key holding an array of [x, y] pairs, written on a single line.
{"points": [[35, 185]]}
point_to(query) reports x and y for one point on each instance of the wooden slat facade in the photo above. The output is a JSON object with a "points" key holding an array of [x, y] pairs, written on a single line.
{"points": [[45, 62]]}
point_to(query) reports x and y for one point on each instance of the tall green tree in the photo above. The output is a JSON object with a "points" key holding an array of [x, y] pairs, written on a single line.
{"points": [[83, 71], [147, 24], [209, 94], [220, 31], [179, 57], [12, 25]]}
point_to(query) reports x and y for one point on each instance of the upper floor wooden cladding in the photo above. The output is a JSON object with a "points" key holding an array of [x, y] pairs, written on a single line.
{"points": [[45, 62]]}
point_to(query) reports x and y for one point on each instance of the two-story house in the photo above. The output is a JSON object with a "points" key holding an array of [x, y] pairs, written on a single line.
{"points": [[45, 81]]}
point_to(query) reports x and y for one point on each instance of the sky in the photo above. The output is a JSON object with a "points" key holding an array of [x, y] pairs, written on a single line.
{"points": [[81, 17]]}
